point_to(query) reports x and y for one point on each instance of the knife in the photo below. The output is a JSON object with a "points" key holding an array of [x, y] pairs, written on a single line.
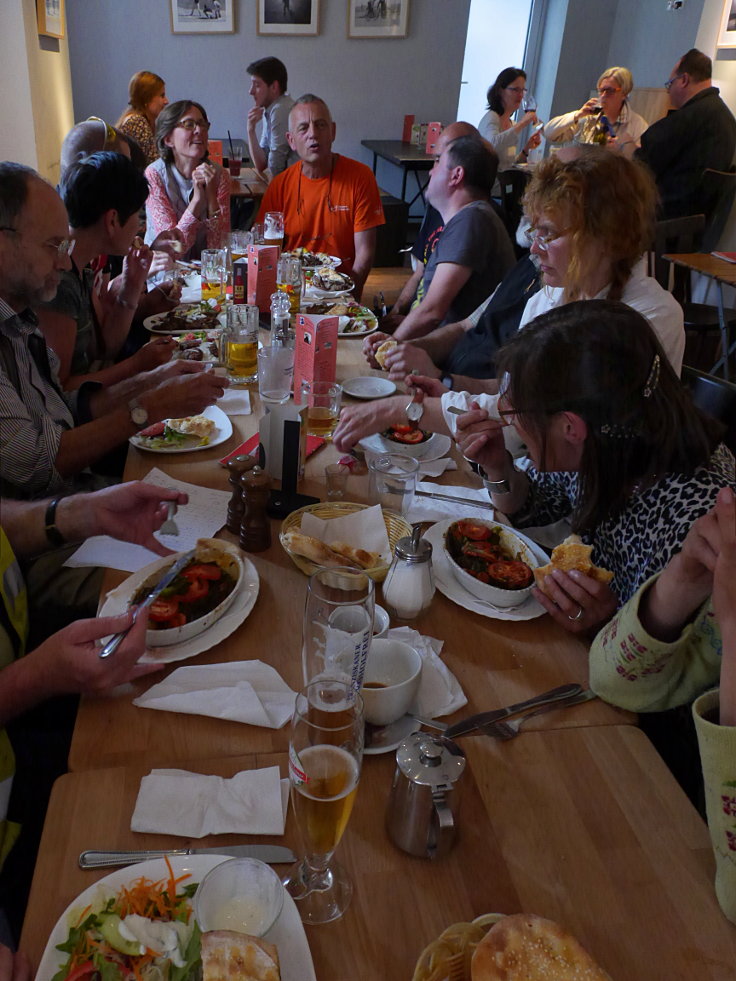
{"points": [[454, 500], [114, 642], [273, 854], [464, 726]]}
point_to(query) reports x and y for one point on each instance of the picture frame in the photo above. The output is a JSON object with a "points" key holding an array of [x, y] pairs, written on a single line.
{"points": [[202, 16], [378, 18], [295, 17], [50, 16], [727, 36]]}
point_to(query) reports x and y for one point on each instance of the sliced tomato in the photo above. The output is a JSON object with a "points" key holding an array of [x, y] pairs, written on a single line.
{"points": [[400, 430], [414, 436], [486, 551], [481, 576], [198, 588], [163, 609], [80, 971], [178, 620], [157, 429], [202, 571], [511, 574], [469, 529]]}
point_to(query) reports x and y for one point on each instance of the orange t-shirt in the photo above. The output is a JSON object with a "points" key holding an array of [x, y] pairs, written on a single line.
{"points": [[323, 215]]}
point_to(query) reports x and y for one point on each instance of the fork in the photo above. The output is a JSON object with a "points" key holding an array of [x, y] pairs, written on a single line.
{"points": [[170, 527], [507, 730]]}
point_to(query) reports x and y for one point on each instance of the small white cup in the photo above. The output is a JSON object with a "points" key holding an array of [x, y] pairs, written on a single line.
{"points": [[396, 669], [380, 622], [241, 894]]}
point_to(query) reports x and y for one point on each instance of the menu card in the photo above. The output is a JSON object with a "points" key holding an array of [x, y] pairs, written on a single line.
{"points": [[214, 148], [406, 133], [433, 134], [315, 354], [262, 263]]}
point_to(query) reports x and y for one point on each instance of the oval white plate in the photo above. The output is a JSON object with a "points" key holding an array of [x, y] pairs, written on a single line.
{"points": [[369, 326], [287, 932], [223, 430], [448, 584], [118, 600], [369, 387], [154, 322], [437, 446]]}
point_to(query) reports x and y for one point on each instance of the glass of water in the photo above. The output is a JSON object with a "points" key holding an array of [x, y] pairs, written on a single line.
{"points": [[275, 373], [392, 481]]}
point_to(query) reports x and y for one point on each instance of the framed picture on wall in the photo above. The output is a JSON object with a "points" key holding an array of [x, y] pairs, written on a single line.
{"points": [[288, 16], [202, 16], [378, 18], [727, 37], [50, 14]]}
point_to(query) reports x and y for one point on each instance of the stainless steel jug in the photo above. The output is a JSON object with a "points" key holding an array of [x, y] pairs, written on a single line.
{"points": [[422, 808]]}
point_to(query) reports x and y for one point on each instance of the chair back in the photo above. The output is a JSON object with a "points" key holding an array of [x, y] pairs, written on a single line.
{"points": [[718, 190], [513, 184], [716, 396], [675, 235]]}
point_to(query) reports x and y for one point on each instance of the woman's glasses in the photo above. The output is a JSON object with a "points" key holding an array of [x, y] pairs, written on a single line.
{"points": [[191, 124], [543, 239]]}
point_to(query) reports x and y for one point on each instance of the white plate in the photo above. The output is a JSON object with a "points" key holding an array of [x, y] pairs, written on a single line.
{"points": [[118, 600], [223, 430], [388, 738], [368, 387], [287, 933], [437, 446], [368, 327], [153, 323], [448, 584]]}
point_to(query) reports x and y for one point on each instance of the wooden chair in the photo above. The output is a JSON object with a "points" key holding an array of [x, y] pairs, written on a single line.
{"points": [[716, 396], [718, 190]]}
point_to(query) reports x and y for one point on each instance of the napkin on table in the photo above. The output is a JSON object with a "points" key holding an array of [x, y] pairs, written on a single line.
{"points": [[439, 691], [241, 691], [235, 402], [434, 468], [427, 509], [177, 802], [364, 529]]}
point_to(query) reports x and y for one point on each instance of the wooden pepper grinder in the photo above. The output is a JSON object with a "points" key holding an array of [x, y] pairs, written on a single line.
{"points": [[237, 467], [255, 527]]}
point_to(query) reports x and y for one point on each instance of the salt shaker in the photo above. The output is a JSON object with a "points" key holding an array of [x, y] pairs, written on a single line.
{"points": [[409, 585], [281, 333], [255, 527], [237, 467]]}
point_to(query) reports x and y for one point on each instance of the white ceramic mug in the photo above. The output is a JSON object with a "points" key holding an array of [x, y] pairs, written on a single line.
{"points": [[391, 680]]}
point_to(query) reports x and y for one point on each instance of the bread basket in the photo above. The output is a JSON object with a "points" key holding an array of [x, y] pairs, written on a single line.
{"points": [[396, 528], [448, 957]]}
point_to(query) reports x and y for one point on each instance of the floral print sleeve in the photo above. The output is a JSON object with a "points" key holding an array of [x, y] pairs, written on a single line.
{"points": [[160, 213], [137, 128]]}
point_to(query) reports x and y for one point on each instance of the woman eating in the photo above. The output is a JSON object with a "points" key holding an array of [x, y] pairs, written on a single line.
{"points": [[504, 99], [146, 99], [606, 118], [187, 191]]}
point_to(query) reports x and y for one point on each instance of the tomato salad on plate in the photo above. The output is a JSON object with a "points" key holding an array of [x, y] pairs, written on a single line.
{"points": [[478, 549], [199, 588]]}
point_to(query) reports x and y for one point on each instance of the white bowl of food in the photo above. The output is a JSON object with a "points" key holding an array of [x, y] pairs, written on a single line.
{"points": [[202, 592], [490, 561], [407, 440]]}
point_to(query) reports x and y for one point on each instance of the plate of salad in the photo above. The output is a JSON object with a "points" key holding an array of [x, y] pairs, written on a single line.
{"points": [[152, 902], [192, 433], [202, 315]]}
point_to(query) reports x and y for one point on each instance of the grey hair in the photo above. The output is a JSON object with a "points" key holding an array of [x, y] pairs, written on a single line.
{"points": [[307, 99], [14, 181]]}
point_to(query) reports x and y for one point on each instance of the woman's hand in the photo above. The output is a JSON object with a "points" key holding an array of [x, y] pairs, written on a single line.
{"points": [[170, 241], [577, 602], [481, 439], [589, 108], [534, 140], [529, 118]]}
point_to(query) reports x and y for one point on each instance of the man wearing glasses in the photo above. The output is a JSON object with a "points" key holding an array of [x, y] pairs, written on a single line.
{"points": [[700, 134], [330, 203]]}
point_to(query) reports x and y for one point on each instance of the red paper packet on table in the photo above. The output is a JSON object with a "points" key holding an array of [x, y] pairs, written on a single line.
{"points": [[406, 133], [315, 355], [250, 447], [262, 266]]}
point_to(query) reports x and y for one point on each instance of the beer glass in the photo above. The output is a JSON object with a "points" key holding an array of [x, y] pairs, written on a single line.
{"points": [[325, 754], [239, 343], [323, 407], [239, 242], [275, 373], [273, 228], [214, 272], [289, 281]]}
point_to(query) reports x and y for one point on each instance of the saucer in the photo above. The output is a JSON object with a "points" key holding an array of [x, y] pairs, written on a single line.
{"points": [[384, 739]]}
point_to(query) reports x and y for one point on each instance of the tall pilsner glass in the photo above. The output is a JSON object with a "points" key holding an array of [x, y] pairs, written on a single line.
{"points": [[325, 753]]}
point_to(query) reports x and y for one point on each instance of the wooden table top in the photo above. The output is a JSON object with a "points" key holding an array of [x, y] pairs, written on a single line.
{"points": [[582, 825], [400, 153], [707, 264]]}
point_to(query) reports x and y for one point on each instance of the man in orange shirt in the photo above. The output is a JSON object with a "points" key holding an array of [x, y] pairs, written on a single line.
{"points": [[330, 202]]}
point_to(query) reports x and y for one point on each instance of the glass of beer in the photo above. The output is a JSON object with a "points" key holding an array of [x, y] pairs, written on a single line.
{"points": [[239, 242], [239, 343], [325, 754], [289, 281], [214, 272], [323, 407], [273, 229]]}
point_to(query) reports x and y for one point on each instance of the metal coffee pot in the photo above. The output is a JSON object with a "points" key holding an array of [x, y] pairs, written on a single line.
{"points": [[422, 808]]}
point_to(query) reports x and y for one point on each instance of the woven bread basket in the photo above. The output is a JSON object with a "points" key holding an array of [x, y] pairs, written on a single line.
{"points": [[448, 957]]}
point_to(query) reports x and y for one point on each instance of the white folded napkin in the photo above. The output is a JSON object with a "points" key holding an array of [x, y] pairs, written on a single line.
{"points": [[363, 529], [439, 692], [177, 802], [241, 691], [428, 509], [235, 402], [434, 468]]}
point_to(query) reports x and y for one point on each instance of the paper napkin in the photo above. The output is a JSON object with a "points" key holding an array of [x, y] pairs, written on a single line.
{"points": [[362, 529], [240, 691], [429, 509], [434, 468], [439, 692], [177, 802], [235, 402]]}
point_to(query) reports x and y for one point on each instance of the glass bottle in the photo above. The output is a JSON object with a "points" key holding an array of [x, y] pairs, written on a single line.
{"points": [[409, 585]]}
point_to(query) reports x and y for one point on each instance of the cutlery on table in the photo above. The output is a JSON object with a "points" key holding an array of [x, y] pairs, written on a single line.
{"points": [[475, 722], [170, 527], [114, 642], [273, 854], [453, 500], [507, 730]]}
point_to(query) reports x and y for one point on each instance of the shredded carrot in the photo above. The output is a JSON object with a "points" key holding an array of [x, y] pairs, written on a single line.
{"points": [[83, 914]]}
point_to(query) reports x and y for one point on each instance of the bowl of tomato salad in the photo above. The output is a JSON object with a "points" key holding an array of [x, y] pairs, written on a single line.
{"points": [[490, 561], [201, 593], [407, 439]]}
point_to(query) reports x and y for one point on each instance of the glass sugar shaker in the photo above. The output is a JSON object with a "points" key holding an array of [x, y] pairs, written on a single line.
{"points": [[282, 334], [409, 585]]}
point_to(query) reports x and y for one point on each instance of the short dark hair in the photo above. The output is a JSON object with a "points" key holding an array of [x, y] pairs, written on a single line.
{"points": [[505, 78], [602, 360], [166, 123], [14, 181], [697, 65], [270, 70], [100, 182], [478, 161]]}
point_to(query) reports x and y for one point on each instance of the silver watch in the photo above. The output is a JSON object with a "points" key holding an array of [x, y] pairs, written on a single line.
{"points": [[138, 415], [494, 486]]}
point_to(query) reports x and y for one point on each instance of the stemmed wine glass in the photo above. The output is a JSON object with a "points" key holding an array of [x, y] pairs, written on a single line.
{"points": [[528, 103], [325, 754]]}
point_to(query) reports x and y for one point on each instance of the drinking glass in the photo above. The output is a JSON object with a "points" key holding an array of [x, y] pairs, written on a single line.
{"points": [[338, 626], [392, 481], [257, 232], [529, 103], [239, 242], [214, 271], [325, 755], [336, 475], [275, 373], [239, 343], [273, 228], [234, 161], [323, 407], [289, 281]]}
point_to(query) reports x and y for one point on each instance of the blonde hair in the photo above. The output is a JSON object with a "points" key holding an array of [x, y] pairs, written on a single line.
{"points": [[600, 199], [142, 87], [621, 76]]}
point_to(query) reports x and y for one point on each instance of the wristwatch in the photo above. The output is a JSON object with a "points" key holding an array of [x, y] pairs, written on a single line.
{"points": [[414, 412], [494, 486], [447, 381], [138, 415]]}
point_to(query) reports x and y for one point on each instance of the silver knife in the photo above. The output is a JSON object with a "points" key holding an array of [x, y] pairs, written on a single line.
{"points": [[273, 854], [464, 726], [114, 642], [454, 500]]}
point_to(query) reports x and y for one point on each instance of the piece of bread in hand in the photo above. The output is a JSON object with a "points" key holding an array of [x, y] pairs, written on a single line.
{"points": [[525, 947], [231, 956], [368, 560], [316, 551], [383, 349], [572, 554]]}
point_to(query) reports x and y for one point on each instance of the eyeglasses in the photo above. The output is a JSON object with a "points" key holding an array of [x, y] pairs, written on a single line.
{"points": [[543, 240], [515, 88], [191, 124], [608, 91], [62, 248], [671, 81]]}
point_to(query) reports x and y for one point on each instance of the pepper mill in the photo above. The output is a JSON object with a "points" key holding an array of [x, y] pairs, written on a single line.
{"points": [[237, 467], [255, 527]]}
